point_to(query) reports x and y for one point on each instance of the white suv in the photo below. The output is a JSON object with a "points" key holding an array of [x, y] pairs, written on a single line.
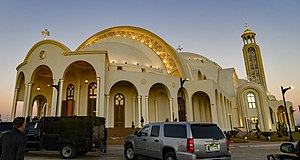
{"points": [[178, 140]]}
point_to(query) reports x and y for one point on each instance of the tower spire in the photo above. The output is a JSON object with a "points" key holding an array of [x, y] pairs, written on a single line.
{"points": [[252, 58]]}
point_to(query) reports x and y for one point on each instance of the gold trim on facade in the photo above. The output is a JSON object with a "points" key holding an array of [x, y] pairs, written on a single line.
{"points": [[166, 53]]}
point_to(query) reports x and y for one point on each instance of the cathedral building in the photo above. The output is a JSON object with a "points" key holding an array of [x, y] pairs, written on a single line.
{"points": [[131, 76]]}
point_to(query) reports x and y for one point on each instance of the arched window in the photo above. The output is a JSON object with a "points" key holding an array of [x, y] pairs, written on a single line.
{"points": [[251, 100], [92, 99], [68, 110], [119, 114], [199, 75], [70, 92]]}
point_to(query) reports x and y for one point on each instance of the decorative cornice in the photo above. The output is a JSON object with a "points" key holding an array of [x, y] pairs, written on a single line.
{"points": [[166, 53]]}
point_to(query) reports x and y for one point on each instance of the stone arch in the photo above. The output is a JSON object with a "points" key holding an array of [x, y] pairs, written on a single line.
{"points": [[56, 43], [130, 112], [39, 107], [182, 98], [166, 53], [80, 74], [41, 78], [201, 107], [159, 103], [281, 114]]}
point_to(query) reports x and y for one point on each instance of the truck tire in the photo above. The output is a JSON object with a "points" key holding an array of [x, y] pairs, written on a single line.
{"points": [[129, 153], [67, 151], [170, 156]]}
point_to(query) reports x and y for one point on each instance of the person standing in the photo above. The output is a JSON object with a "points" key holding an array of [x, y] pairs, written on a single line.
{"points": [[14, 141], [27, 119]]}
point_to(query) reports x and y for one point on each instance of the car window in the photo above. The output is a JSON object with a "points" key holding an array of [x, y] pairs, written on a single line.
{"points": [[206, 131], [155, 131], [144, 131], [175, 130]]}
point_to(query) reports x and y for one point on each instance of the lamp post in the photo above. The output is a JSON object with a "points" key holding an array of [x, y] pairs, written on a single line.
{"points": [[57, 89], [182, 81], [283, 90]]}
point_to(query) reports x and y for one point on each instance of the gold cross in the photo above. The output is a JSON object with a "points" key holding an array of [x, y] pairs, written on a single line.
{"points": [[45, 33], [179, 48], [246, 25]]}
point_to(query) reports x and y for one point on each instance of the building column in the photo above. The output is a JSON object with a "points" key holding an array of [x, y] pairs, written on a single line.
{"points": [[54, 105], [133, 110], [171, 109], [107, 110], [77, 100], [28, 99], [60, 91], [146, 109], [139, 111], [14, 106], [98, 97], [156, 110], [175, 110]]}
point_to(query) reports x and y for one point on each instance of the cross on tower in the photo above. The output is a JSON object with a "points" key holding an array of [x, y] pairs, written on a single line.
{"points": [[246, 25], [45, 33], [179, 48]]}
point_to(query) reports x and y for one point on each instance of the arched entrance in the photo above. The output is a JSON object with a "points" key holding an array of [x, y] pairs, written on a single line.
{"points": [[39, 107], [123, 105], [181, 100], [281, 114], [201, 107], [159, 104]]}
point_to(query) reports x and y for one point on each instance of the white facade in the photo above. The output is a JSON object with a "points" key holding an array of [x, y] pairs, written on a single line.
{"points": [[125, 73]]}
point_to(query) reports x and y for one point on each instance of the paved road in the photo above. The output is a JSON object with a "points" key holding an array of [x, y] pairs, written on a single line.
{"points": [[247, 151]]}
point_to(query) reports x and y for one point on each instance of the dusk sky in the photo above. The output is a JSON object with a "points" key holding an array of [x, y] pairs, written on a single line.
{"points": [[211, 28]]}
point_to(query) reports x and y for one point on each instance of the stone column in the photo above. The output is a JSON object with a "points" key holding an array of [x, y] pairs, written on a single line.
{"points": [[28, 99], [147, 109], [156, 110], [60, 92], [107, 111], [14, 106], [139, 111], [98, 97], [77, 100], [171, 109]]}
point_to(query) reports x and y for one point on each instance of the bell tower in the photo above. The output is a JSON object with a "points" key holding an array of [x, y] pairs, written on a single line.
{"points": [[252, 58]]}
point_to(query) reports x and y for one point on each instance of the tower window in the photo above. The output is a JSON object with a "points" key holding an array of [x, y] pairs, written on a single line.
{"points": [[251, 100]]}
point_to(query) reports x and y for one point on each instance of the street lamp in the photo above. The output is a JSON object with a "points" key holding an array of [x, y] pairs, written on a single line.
{"points": [[283, 90], [57, 89], [182, 114]]}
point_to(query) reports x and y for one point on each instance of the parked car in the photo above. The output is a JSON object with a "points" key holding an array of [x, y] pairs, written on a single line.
{"points": [[290, 152], [178, 140], [71, 136]]}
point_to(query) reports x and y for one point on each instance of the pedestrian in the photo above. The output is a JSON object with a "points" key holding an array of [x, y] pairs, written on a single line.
{"points": [[14, 141], [27, 119], [142, 121]]}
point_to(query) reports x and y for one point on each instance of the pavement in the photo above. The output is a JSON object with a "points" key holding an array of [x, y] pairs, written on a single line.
{"points": [[252, 143]]}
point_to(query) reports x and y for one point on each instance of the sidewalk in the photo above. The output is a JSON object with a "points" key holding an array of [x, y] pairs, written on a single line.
{"points": [[252, 143]]}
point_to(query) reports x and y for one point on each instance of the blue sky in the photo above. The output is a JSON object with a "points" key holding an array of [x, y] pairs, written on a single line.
{"points": [[211, 28]]}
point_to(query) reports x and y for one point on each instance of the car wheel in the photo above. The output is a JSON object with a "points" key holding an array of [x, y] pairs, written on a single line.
{"points": [[170, 156], [129, 153], [67, 151]]}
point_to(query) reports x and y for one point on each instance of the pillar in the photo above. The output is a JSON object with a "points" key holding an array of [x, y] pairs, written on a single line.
{"points": [[139, 111], [171, 109], [14, 106], [60, 92], [107, 110]]}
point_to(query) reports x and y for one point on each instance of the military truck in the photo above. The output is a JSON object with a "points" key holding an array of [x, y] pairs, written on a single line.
{"points": [[71, 136]]}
